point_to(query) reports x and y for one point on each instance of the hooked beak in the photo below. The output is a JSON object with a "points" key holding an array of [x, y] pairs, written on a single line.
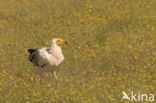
{"points": [[65, 42]]}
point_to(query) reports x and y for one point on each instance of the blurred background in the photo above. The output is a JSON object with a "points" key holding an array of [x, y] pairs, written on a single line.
{"points": [[111, 48]]}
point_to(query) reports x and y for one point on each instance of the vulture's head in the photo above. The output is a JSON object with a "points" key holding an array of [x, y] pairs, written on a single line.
{"points": [[58, 41]]}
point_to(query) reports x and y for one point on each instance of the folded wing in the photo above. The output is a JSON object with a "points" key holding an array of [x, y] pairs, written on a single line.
{"points": [[39, 57]]}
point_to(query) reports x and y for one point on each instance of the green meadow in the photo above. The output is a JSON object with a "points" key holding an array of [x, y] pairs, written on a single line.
{"points": [[111, 48]]}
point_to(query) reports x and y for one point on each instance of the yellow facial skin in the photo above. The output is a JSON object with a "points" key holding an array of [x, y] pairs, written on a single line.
{"points": [[60, 42]]}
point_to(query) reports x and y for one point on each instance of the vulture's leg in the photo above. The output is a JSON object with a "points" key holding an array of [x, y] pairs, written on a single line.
{"points": [[39, 71], [53, 71], [55, 75]]}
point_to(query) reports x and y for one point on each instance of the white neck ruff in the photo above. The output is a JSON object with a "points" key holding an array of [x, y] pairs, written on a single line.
{"points": [[57, 55]]}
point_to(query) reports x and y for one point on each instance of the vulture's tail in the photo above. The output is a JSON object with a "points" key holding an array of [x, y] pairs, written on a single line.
{"points": [[31, 51], [31, 56]]}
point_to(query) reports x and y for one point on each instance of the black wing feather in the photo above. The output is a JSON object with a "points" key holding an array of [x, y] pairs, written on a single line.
{"points": [[31, 56]]}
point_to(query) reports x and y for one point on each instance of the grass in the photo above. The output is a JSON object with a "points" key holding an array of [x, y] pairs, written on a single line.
{"points": [[111, 49]]}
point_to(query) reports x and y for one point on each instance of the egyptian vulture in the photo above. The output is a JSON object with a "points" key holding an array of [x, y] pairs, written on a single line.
{"points": [[48, 57]]}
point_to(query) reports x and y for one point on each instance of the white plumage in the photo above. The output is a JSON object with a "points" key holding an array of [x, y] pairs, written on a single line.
{"points": [[48, 57]]}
